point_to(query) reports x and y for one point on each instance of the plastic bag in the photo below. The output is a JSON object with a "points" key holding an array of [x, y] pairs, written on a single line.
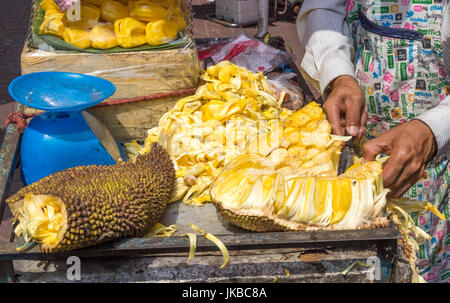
{"points": [[244, 51], [294, 97]]}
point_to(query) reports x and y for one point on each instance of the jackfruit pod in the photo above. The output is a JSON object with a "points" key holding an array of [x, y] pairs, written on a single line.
{"points": [[167, 3], [177, 15], [53, 12], [102, 36], [53, 25], [77, 37], [113, 10], [89, 18], [221, 111], [49, 5], [147, 11], [213, 70], [161, 32], [129, 32], [97, 3]]}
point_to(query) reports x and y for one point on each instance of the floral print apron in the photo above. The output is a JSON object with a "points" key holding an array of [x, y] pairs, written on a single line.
{"points": [[400, 68]]}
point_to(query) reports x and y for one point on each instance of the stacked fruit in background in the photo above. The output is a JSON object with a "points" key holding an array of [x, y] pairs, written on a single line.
{"points": [[105, 24]]}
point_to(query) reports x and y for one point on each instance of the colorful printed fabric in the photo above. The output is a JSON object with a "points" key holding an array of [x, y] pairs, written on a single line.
{"points": [[401, 78]]}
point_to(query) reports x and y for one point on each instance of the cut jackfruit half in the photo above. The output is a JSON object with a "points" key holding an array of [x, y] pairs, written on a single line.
{"points": [[272, 196]]}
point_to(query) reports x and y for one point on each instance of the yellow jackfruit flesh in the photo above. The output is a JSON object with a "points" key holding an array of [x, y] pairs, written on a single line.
{"points": [[113, 10], [53, 12], [287, 199], [147, 11], [53, 25], [130, 32], [235, 114], [176, 15], [161, 32], [89, 205], [102, 36], [49, 5], [77, 37], [97, 3], [90, 16]]}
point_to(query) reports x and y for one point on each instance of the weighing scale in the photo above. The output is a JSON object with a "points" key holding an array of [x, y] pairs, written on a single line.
{"points": [[64, 135]]}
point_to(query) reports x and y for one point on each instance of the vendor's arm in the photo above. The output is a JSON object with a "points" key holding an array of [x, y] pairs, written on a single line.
{"points": [[324, 32], [411, 146]]}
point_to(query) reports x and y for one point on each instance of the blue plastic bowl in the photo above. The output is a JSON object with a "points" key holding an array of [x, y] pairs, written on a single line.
{"points": [[59, 91]]}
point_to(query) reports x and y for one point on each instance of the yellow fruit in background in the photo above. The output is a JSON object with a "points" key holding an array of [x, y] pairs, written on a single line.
{"points": [[89, 18], [176, 15], [93, 2], [49, 5], [113, 10], [130, 32], [102, 36], [167, 3], [53, 12], [147, 11], [53, 25], [77, 37], [161, 31]]}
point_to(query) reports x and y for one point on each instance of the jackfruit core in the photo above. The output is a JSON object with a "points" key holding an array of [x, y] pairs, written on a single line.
{"points": [[42, 218]]}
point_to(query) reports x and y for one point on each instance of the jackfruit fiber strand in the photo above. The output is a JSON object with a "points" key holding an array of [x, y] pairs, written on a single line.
{"points": [[210, 237]]}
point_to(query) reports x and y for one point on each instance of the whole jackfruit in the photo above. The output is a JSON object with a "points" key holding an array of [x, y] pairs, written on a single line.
{"points": [[161, 31], [77, 37], [130, 32], [102, 36], [89, 205], [147, 11], [113, 10]]}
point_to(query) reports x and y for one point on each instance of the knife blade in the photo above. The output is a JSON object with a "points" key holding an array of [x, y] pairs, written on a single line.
{"points": [[347, 155]]}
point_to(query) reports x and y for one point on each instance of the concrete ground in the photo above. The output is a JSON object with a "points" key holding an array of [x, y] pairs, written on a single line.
{"points": [[15, 19]]}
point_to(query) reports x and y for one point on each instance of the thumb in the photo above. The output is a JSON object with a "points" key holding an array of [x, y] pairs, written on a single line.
{"points": [[353, 113]]}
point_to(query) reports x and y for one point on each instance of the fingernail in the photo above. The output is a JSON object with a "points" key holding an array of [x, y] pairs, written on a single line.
{"points": [[353, 130]]}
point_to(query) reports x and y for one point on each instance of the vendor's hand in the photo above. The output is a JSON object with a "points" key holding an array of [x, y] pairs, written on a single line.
{"points": [[345, 107], [411, 146]]}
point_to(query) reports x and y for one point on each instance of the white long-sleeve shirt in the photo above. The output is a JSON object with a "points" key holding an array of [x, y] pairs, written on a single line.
{"points": [[325, 34]]}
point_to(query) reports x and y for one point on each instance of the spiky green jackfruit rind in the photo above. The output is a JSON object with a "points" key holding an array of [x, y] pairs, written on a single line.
{"points": [[249, 220], [105, 203]]}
